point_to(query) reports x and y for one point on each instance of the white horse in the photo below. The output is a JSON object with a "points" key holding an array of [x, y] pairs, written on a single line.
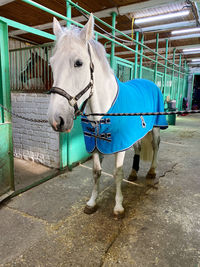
{"points": [[80, 62]]}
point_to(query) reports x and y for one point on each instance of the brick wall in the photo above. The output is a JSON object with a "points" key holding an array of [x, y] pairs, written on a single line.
{"points": [[34, 141]]}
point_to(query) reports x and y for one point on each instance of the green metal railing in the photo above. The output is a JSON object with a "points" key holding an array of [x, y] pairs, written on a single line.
{"points": [[68, 19], [168, 66], [113, 29]]}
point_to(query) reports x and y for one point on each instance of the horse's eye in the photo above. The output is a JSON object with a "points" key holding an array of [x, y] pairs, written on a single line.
{"points": [[78, 63]]}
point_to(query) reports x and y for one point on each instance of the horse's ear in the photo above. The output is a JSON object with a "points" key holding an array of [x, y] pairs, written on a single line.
{"points": [[57, 29], [87, 33]]}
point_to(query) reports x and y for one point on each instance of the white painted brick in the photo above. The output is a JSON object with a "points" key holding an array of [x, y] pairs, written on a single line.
{"points": [[34, 141]]}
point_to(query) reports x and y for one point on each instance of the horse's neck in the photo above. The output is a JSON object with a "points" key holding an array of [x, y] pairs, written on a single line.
{"points": [[105, 90]]}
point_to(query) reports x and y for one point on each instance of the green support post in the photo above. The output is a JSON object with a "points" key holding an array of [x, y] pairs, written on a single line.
{"points": [[156, 58], [191, 94], [69, 13], [112, 55], [136, 55], [64, 137], [178, 91], [6, 143], [184, 83], [5, 78], [172, 86], [63, 148], [165, 68], [141, 56]]}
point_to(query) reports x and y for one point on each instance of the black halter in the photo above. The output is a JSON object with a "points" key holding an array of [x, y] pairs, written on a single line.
{"points": [[73, 100]]}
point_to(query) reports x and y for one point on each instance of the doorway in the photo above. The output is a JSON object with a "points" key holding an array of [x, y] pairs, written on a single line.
{"points": [[196, 92]]}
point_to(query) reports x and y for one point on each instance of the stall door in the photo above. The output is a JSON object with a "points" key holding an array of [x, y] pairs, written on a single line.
{"points": [[6, 146]]}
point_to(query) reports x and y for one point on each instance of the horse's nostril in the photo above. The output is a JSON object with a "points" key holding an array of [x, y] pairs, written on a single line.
{"points": [[61, 121]]}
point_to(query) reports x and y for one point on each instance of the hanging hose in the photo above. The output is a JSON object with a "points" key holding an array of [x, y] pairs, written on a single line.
{"points": [[132, 26]]}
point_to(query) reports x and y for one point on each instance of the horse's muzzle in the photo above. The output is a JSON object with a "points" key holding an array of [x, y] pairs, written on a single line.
{"points": [[61, 124]]}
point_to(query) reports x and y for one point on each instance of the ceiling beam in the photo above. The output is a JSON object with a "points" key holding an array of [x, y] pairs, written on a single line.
{"points": [[168, 27], [162, 27], [161, 40], [121, 11], [156, 28], [173, 38], [46, 26]]}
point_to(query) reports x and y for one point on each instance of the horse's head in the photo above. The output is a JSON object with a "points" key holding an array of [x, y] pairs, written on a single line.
{"points": [[71, 66], [27, 73], [33, 68]]}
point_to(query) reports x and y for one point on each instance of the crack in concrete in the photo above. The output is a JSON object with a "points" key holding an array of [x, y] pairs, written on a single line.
{"points": [[121, 224], [111, 245], [26, 215], [168, 171]]}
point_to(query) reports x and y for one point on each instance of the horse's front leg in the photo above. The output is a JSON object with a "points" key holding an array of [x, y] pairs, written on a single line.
{"points": [[119, 175], [91, 206], [155, 144]]}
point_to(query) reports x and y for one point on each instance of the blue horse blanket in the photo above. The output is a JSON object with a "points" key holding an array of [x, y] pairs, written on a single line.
{"points": [[120, 133]]}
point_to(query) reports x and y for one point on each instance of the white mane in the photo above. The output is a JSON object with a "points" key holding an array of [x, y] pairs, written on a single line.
{"points": [[100, 52]]}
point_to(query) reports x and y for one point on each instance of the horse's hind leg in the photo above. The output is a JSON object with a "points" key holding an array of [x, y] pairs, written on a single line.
{"points": [[136, 162], [155, 144], [91, 206], [119, 175]]}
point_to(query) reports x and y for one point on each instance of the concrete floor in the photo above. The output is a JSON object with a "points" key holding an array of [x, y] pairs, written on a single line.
{"points": [[27, 172], [46, 226]]}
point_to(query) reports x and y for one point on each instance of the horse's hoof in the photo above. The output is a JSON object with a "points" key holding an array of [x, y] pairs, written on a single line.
{"points": [[133, 176], [151, 176], [119, 215], [152, 182], [90, 210]]}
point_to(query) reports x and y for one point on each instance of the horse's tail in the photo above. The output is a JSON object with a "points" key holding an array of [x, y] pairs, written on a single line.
{"points": [[146, 147]]}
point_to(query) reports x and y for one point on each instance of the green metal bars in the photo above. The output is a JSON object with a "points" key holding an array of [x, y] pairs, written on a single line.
{"points": [[179, 71], [136, 55], [100, 34], [156, 58], [112, 54], [141, 57], [69, 12], [165, 69]]}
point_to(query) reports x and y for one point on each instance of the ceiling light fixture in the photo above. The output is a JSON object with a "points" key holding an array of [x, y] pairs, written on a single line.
{"points": [[162, 17], [195, 59], [186, 31], [196, 49], [194, 63]]}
